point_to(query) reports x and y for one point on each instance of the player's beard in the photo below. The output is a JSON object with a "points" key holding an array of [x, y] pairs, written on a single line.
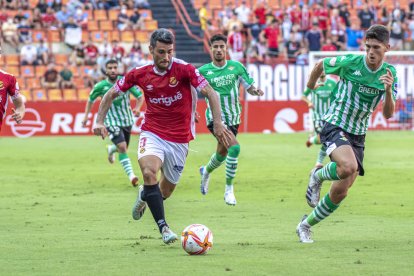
{"points": [[112, 78]]}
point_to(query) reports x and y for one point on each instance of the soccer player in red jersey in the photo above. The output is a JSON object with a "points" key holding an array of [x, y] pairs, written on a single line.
{"points": [[10, 87], [169, 86]]}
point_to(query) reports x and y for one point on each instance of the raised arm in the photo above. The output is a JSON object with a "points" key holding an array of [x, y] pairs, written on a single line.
{"points": [[315, 74], [389, 103]]}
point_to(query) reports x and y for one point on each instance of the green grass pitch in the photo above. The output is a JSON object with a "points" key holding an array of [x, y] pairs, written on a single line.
{"points": [[64, 210]]}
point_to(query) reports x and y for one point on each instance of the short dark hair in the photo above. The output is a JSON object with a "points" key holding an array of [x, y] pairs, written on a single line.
{"points": [[218, 37], [378, 32], [162, 35], [111, 61]]}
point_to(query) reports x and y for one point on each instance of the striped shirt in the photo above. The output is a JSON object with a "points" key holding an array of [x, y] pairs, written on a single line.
{"points": [[226, 81], [321, 98], [120, 113], [358, 92]]}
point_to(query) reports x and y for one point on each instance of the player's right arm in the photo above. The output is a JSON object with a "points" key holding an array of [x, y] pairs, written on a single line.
{"points": [[19, 108], [121, 86], [305, 97], [315, 74]]}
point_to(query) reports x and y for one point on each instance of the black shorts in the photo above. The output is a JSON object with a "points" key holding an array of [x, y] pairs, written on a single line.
{"points": [[119, 134], [234, 128], [318, 125], [333, 137]]}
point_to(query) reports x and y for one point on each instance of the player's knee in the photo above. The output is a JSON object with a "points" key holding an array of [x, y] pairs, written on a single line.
{"points": [[149, 175], [347, 169], [234, 150]]}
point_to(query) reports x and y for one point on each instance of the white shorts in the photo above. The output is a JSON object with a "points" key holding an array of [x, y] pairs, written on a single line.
{"points": [[172, 155]]}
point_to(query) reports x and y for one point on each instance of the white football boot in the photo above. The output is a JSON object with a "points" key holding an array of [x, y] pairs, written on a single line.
{"points": [[229, 197], [168, 236], [314, 189], [139, 205], [205, 178], [304, 232]]}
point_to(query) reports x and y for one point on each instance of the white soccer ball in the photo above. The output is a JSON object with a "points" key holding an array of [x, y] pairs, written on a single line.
{"points": [[196, 239]]}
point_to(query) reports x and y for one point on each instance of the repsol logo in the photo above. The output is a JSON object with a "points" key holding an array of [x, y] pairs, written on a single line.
{"points": [[167, 100]]}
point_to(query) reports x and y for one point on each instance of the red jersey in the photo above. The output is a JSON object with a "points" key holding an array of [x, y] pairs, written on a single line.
{"points": [[322, 15], [272, 35], [8, 87], [170, 97]]}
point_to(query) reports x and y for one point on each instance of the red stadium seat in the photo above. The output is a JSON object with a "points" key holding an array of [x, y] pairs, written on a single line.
{"points": [[106, 25], [93, 26], [83, 94], [33, 83], [27, 71], [12, 59], [54, 94], [70, 95], [13, 69], [127, 36], [39, 94], [100, 15]]}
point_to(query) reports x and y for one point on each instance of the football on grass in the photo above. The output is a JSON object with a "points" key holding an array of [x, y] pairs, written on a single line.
{"points": [[196, 239]]}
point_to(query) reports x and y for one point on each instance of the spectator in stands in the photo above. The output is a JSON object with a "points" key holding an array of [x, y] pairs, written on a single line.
{"points": [[411, 10], [72, 33], [101, 61], [66, 80], [25, 31], [411, 38], [105, 48], [42, 6], [9, 30], [93, 76], [234, 21], [260, 12], [122, 21], [3, 16], [329, 46], [141, 4], [337, 25], [338, 44], [91, 53], [385, 14], [20, 16], [43, 53], [243, 13], [78, 55], [286, 27], [81, 17], [36, 19], [224, 16], [72, 5], [354, 37], [10, 4], [271, 35], [51, 78], [303, 57], [62, 16], [118, 52], [132, 60], [292, 48], [49, 20], [28, 54], [396, 34], [322, 16], [398, 13], [366, 17], [136, 20], [305, 19], [23, 4], [108, 4], [136, 48], [313, 38], [345, 14], [203, 17], [236, 44]]}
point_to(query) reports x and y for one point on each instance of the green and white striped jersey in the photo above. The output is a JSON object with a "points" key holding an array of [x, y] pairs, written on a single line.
{"points": [[321, 98], [120, 113], [225, 81], [357, 93]]}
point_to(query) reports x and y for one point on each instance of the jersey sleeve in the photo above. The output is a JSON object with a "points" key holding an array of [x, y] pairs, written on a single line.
{"points": [[196, 79], [95, 92], [336, 65], [245, 79], [135, 92], [126, 82], [13, 90], [307, 92]]}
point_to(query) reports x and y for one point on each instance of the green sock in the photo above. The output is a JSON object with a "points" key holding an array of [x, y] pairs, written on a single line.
{"points": [[321, 155], [126, 163], [324, 208], [231, 163], [215, 161], [328, 172]]}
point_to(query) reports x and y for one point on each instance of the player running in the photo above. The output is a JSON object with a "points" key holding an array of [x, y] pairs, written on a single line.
{"points": [[10, 87], [225, 76], [364, 81], [119, 119], [319, 103], [168, 85]]}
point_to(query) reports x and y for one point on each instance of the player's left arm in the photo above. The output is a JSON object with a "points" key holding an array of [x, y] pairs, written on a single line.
{"points": [[389, 101], [248, 82], [140, 100]]}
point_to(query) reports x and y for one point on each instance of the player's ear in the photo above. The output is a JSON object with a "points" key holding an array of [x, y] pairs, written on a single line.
{"points": [[151, 49]]}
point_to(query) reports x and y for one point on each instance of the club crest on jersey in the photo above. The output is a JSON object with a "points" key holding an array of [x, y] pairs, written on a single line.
{"points": [[1, 85], [142, 150], [173, 82], [231, 68]]}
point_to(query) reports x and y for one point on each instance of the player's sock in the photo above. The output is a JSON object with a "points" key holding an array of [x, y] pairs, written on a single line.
{"points": [[314, 139], [215, 161], [152, 195], [231, 163], [328, 172], [126, 163], [324, 208], [112, 148], [321, 155]]}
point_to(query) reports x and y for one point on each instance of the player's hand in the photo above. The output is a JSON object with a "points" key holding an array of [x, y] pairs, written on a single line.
{"points": [[197, 117], [136, 112], [256, 92], [84, 121], [222, 134], [100, 130], [17, 116], [387, 79]]}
